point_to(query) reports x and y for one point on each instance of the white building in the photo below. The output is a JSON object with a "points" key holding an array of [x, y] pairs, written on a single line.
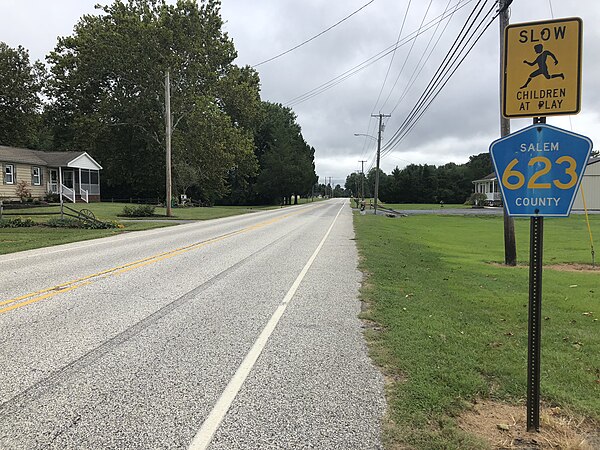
{"points": [[489, 186], [590, 185]]}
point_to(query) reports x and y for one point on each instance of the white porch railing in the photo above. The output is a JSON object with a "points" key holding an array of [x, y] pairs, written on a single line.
{"points": [[52, 187], [84, 195], [68, 192]]}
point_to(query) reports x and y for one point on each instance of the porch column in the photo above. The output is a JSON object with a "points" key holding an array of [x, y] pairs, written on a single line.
{"points": [[60, 184], [62, 215]]}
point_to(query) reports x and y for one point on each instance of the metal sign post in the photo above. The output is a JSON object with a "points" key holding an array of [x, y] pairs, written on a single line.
{"points": [[540, 169], [534, 348]]}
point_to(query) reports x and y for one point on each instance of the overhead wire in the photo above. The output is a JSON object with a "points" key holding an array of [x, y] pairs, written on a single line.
{"points": [[314, 37], [365, 140], [446, 69], [393, 55], [408, 55], [415, 73], [366, 63], [419, 67]]}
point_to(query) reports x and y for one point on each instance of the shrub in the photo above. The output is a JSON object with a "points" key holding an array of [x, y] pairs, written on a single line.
{"points": [[477, 199], [17, 222], [69, 222], [52, 198], [138, 211], [22, 190]]}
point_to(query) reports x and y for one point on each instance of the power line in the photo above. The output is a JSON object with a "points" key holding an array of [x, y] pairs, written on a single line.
{"points": [[363, 65], [441, 77], [438, 75], [315, 36], [392, 58], [417, 71], [412, 45]]}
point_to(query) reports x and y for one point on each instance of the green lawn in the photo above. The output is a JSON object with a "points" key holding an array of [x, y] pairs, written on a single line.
{"points": [[18, 239], [112, 211], [421, 206], [452, 323]]}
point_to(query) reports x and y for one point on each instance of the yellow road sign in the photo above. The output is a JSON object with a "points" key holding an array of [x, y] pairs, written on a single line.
{"points": [[542, 68]]}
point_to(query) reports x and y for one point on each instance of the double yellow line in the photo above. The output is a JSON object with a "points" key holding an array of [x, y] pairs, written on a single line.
{"points": [[34, 297]]}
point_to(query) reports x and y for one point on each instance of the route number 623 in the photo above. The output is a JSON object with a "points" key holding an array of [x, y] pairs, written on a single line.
{"points": [[513, 179]]}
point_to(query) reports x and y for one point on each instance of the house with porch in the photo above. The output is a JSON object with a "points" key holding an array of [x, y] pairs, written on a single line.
{"points": [[73, 175], [488, 186], [589, 188]]}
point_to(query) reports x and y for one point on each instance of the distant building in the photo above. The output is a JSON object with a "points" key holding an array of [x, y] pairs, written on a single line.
{"points": [[590, 184], [45, 172], [488, 185]]}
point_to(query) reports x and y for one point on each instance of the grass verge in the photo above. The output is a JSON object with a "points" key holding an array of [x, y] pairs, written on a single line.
{"points": [[112, 211], [450, 325], [19, 239]]}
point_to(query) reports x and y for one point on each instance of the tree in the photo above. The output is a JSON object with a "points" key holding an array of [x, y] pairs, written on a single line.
{"points": [[20, 97], [286, 160], [107, 94], [450, 183]]}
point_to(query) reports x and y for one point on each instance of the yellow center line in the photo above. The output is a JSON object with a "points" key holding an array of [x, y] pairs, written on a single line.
{"points": [[50, 292]]}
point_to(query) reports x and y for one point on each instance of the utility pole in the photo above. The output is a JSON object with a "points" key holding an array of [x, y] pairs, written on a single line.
{"points": [[168, 138], [510, 246], [362, 179], [381, 116]]}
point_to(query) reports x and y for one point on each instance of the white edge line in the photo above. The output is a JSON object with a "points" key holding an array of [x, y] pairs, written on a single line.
{"points": [[204, 436]]}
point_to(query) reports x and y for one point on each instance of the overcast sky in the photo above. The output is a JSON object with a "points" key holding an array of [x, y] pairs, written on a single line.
{"points": [[463, 120]]}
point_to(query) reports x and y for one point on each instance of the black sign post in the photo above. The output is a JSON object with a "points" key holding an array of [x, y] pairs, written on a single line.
{"points": [[536, 247]]}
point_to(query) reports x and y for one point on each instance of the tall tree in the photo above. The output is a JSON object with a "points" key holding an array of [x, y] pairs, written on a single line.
{"points": [[20, 97], [107, 96], [286, 161]]}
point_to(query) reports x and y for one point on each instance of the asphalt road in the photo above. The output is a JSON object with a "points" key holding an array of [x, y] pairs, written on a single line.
{"points": [[233, 333]]}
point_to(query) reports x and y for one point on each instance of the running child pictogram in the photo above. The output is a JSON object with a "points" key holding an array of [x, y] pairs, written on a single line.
{"points": [[541, 61]]}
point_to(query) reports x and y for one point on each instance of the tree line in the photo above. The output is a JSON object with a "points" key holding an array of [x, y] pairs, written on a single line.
{"points": [[102, 91], [423, 183]]}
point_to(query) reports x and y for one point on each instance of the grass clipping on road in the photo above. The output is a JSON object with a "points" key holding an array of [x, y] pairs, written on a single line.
{"points": [[448, 326]]}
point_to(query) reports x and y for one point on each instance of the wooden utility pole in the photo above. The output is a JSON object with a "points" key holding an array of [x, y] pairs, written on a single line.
{"points": [[510, 246], [381, 116], [362, 179], [168, 139]]}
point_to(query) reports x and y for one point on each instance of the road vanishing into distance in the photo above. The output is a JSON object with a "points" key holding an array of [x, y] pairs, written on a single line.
{"points": [[233, 333]]}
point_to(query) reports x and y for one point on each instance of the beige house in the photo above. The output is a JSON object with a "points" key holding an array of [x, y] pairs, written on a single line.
{"points": [[75, 175]]}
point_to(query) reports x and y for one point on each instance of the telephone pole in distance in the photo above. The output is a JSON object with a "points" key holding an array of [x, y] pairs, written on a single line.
{"points": [[381, 116], [362, 179]]}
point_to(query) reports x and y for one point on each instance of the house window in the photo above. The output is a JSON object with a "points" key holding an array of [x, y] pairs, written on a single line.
{"points": [[9, 174], [94, 177], [85, 176], [36, 176]]}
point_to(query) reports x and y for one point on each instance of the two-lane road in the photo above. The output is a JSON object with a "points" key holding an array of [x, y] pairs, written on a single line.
{"points": [[234, 333]]}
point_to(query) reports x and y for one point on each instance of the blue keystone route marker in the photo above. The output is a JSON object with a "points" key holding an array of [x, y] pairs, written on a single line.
{"points": [[539, 169]]}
